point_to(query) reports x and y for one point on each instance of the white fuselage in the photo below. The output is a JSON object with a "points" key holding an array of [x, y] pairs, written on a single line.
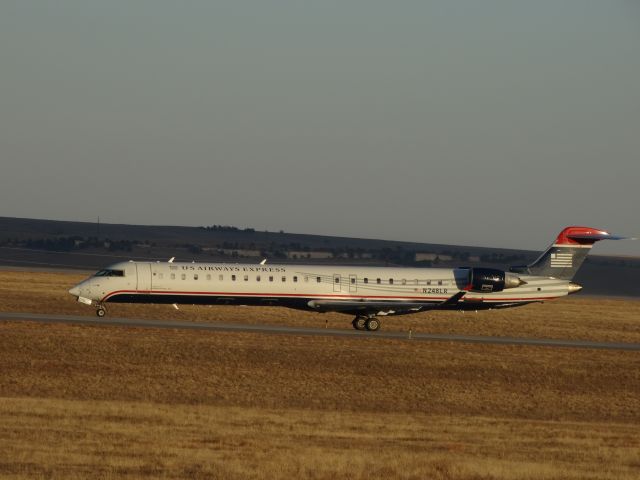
{"points": [[300, 286]]}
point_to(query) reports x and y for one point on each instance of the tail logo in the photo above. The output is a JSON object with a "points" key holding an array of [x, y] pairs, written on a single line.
{"points": [[562, 260]]}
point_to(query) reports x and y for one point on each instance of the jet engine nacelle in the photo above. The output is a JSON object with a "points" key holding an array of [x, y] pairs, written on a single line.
{"points": [[487, 280]]}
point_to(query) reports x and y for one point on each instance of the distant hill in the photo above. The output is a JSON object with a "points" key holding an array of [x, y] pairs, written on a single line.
{"points": [[62, 244]]}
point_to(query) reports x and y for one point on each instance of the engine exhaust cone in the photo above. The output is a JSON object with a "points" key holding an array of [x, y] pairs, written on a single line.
{"points": [[574, 287]]}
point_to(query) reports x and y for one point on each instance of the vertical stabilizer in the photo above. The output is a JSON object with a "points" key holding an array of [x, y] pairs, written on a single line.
{"points": [[566, 254]]}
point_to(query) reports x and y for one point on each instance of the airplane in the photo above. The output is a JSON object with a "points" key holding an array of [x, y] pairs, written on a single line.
{"points": [[364, 292]]}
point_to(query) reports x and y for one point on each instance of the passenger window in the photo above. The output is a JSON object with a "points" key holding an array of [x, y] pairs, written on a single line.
{"points": [[183, 276], [221, 277], [246, 278], [173, 276], [284, 279], [337, 279], [208, 276], [295, 279], [428, 282], [257, 278], [391, 281], [404, 281], [195, 276], [318, 279], [271, 279], [233, 278], [306, 279], [439, 282], [378, 281], [366, 280], [353, 281]]}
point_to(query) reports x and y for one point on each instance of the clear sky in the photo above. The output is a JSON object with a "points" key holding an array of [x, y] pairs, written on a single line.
{"points": [[490, 123]]}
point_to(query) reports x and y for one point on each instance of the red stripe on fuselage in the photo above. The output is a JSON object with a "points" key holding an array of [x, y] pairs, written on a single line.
{"points": [[302, 295]]}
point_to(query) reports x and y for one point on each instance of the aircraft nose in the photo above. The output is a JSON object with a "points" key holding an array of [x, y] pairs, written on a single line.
{"points": [[75, 291]]}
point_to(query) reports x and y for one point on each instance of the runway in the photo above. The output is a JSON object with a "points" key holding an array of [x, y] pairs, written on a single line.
{"points": [[274, 329]]}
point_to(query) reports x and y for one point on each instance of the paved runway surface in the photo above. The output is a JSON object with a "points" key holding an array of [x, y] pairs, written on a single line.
{"points": [[272, 329]]}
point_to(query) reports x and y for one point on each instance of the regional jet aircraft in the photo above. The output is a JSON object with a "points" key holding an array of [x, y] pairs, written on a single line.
{"points": [[366, 293]]}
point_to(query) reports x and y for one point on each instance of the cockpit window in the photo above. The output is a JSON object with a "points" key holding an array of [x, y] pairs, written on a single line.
{"points": [[110, 273]]}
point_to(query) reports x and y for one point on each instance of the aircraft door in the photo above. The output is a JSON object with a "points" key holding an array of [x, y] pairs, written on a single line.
{"points": [[336, 282], [131, 276], [144, 277]]}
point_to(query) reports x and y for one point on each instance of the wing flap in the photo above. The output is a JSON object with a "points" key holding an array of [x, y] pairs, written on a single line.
{"points": [[364, 306], [382, 307]]}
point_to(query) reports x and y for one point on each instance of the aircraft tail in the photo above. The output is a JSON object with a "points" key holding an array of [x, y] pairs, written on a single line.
{"points": [[566, 254]]}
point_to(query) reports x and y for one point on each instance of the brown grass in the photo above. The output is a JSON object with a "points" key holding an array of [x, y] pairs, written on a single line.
{"points": [[115, 402], [80, 439], [253, 370]]}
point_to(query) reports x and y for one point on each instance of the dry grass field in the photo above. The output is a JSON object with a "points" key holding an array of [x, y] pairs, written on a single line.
{"points": [[117, 402]]}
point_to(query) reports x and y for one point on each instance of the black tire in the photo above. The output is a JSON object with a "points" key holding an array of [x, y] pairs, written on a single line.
{"points": [[101, 312], [372, 324], [359, 323]]}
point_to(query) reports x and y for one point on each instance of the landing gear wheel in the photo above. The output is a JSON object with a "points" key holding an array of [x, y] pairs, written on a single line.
{"points": [[101, 312], [372, 324], [359, 323]]}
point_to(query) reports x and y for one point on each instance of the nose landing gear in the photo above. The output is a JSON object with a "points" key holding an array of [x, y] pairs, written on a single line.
{"points": [[101, 312], [370, 324]]}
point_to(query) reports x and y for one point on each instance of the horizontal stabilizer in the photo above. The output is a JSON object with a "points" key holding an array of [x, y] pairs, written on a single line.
{"points": [[584, 236], [594, 237]]}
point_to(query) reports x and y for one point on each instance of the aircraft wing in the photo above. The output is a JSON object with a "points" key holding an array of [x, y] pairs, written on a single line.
{"points": [[384, 307]]}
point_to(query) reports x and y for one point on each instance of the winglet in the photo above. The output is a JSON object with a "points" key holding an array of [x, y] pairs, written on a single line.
{"points": [[453, 300]]}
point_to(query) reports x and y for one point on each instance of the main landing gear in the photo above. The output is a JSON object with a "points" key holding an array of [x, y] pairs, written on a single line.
{"points": [[371, 324]]}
